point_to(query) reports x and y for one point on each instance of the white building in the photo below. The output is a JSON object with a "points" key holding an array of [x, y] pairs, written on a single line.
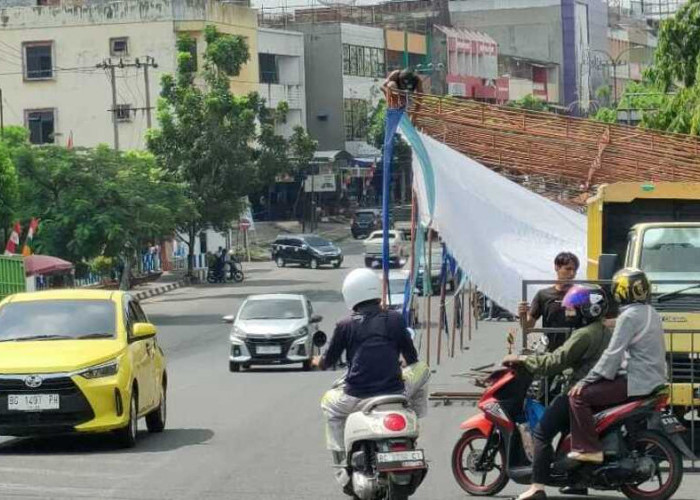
{"points": [[281, 62], [49, 56]]}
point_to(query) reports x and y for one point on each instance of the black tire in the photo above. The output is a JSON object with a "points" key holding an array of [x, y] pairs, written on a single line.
{"points": [[306, 365], [238, 276], [155, 421], [396, 492], [233, 367], [664, 451], [211, 279], [280, 262], [465, 444], [368, 262], [337, 265], [126, 436], [313, 263]]}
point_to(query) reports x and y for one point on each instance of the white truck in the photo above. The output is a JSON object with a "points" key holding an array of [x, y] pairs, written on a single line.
{"points": [[399, 248]]}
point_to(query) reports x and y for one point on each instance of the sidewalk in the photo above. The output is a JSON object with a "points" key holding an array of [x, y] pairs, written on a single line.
{"points": [[167, 282]]}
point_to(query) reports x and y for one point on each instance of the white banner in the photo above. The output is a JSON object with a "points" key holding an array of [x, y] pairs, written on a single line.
{"points": [[499, 232]]}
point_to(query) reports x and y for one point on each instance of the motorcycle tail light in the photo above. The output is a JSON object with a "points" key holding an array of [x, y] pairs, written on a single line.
{"points": [[399, 446], [395, 422]]}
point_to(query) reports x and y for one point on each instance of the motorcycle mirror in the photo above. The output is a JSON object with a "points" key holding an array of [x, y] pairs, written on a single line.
{"points": [[228, 319], [319, 339]]}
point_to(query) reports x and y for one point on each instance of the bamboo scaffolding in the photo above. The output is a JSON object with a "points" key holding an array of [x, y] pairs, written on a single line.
{"points": [[565, 157]]}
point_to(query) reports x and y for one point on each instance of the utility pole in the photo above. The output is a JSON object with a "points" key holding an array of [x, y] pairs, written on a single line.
{"points": [[111, 66]]}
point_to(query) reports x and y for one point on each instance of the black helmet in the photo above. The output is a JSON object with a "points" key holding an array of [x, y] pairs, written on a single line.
{"points": [[589, 301], [631, 286]]}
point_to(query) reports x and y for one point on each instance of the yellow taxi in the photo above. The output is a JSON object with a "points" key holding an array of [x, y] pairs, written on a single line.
{"points": [[79, 361]]}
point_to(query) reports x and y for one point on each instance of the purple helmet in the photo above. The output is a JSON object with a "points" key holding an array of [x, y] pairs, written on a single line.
{"points": [[590, 301]]}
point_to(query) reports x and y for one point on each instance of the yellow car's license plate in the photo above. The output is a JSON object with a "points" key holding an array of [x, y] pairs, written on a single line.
{"points": [[33, 402]]}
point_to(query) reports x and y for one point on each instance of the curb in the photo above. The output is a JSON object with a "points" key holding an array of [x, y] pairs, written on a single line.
{"points": [[153, 292]]}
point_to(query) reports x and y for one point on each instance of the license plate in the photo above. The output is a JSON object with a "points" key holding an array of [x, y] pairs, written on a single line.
{"points": [[268, 349], [32, 402], [400, 460], [671, 424]]}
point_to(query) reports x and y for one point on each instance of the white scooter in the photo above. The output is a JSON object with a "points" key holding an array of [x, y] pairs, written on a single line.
{"points": [[382, 458], [380, 438]]}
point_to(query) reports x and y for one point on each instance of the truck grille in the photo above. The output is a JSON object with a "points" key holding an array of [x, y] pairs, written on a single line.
{"points": [[685, 367]]}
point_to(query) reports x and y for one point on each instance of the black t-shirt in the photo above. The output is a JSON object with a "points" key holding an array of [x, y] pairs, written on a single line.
{"points": [[547, 305]]}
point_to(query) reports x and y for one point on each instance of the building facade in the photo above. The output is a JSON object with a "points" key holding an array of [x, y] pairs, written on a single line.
{"points": [[281, 63], [544, 45], [50, 55]]}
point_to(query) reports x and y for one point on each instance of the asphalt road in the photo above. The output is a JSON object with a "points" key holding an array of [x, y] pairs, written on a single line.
{"points": [[251, 435]]}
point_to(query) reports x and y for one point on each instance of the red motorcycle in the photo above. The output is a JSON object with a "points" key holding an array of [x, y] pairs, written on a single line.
{"points": [[643, 446]]}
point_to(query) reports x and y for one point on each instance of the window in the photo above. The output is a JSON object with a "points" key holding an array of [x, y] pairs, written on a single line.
{"points": [[346, 59], [269, 71], [38, 60], [123, 112], [363, 61], [356, 118], [40, 123], [119, 46]]}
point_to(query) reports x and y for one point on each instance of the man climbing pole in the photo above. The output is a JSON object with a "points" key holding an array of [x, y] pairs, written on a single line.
{"points": [[403, 81]]}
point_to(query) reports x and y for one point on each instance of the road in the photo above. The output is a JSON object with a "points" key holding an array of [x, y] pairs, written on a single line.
{"points": [[251, 435]]}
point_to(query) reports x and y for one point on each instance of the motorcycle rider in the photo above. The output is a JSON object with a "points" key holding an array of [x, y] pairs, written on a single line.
{"points": [[586, 305], [633, 364], [373, 339]]}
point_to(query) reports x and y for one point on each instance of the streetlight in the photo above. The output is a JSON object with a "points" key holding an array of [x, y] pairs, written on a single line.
{"points": [[615, 62]]}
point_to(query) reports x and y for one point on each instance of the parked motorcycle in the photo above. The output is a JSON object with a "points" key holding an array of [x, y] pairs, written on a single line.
{"points": [[643, 445]]}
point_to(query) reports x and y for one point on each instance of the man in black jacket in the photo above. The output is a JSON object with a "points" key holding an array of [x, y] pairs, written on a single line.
{"points": [[374, 340]]}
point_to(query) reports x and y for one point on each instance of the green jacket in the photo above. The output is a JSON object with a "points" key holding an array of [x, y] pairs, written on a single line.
{"points": [[575, 358]]}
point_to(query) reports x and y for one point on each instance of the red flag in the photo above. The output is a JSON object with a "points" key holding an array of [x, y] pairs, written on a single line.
{"points": [[13, 242], [69, 145], [33, 227]]}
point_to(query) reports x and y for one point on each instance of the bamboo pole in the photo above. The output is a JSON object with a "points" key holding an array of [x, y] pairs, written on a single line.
{"points": [[461, 323], [441, 321], [470, 314], [426, 276], [455, 317]]}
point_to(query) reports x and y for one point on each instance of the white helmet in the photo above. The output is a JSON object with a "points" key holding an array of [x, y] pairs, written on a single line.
{"points": [[360, 286]]}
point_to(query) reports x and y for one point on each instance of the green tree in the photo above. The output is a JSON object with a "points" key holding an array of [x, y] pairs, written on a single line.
{"points": [[302, 148], [9, 192], [96, 202], [206, 136]]}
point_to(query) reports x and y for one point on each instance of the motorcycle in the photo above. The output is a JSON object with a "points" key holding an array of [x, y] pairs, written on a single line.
{"points": [[232, 272], [382, 459], [643, 447]]}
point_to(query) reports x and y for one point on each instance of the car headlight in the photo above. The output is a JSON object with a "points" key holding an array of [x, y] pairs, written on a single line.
{"points": [[301, 332], [98, 371], [237, 332]]}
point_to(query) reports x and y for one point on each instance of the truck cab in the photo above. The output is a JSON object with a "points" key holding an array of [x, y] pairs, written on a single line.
{"points": [[656, 228]]}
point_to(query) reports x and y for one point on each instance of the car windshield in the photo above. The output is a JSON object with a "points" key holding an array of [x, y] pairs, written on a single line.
{"points": [[315, 241], [272, 309], [57, 319], [364, 216], [671, 250]]}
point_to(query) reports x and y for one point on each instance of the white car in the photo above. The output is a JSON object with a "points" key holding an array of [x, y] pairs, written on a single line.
{"points": [[274, 329], [397, 288], [399, 248]]}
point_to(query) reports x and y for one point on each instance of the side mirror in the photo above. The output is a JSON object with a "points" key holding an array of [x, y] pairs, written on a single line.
{"points": [[143, 330], [229, 318], [607, 264], [319, 339], [316, 318]]}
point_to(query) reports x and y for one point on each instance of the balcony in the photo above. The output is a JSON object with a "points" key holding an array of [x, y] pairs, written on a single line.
{"points": [[274, 93]]}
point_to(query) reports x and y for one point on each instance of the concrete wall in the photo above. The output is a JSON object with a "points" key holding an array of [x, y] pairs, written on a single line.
{"points": [[80, 93], [323, 60]]}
